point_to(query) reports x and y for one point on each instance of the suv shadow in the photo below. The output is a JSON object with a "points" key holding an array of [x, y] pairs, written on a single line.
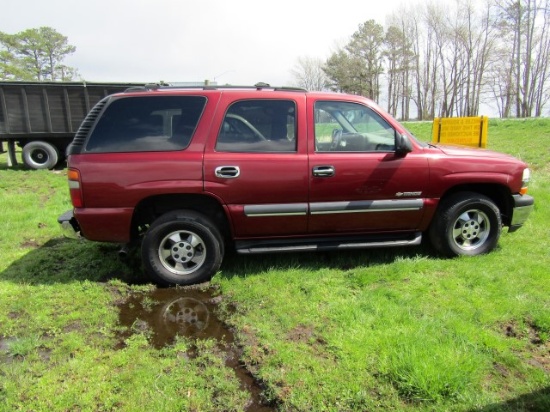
{"points": [[62, 260]]}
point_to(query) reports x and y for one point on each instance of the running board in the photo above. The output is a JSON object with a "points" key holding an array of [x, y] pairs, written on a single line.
{"points": [[326, 244]]}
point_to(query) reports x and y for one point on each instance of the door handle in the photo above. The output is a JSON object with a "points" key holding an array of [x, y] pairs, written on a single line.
{"points": [[227, 172], [324, 171]]}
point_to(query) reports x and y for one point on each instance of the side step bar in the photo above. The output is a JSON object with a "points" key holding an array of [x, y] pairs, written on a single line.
{"points": [[326, 244]]}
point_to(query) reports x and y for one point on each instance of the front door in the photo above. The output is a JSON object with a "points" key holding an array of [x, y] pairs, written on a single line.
{"points": [[358, 184]]}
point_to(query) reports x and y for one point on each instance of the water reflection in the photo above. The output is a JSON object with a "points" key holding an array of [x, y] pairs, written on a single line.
{"points": [[167, 313], [187, 316]]}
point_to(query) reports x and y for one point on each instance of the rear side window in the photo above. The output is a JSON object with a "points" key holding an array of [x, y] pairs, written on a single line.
{"points": [[148, 123], [259, 126]]}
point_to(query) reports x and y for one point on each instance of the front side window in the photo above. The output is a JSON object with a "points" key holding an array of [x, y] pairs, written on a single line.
{"points": [[258, 126], [351, 127], [148, 123]]}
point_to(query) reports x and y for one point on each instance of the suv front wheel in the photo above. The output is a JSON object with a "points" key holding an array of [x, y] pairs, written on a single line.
{"points": [[466, 223], [182, 248]]}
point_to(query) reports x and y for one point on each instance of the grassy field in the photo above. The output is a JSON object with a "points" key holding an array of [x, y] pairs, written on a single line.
{"points": [[390, 329]]}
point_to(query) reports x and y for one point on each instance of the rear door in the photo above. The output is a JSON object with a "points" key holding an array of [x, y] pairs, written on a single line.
{"points": [[257, 164], [358, 184]]}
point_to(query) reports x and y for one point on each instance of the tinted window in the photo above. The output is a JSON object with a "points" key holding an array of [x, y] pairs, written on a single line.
{"points": [[149, 123], [351, 127], [259, 126]]}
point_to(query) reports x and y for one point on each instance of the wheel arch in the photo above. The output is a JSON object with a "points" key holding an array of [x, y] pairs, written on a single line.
{"points": [[499, 194], [149, 209]]}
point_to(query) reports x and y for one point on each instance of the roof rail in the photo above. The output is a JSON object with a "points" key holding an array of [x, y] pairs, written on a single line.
{"points": [[257, 86], [146, 87]]}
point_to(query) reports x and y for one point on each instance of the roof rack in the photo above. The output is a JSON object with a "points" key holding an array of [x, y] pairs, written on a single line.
{"points": [[257, 86]]}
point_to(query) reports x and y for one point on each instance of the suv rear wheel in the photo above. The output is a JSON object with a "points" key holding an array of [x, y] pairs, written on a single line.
{"points": [[182, 248], [466, 223]]}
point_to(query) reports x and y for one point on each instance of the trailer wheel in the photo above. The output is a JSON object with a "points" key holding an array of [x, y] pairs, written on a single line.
{"points": [[40, 155]]}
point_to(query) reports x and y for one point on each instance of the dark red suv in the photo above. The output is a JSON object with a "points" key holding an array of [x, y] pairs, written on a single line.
{"points": [[190, 172]]}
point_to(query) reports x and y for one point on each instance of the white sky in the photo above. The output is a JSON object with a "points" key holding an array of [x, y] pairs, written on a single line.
{"points": [[234, 41]]}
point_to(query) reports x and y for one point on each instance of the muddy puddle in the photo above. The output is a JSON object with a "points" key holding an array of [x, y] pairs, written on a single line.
{"points": [[167, 313]]}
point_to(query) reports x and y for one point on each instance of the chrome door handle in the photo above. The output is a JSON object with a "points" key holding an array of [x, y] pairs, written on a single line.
{"points": [[324, 171], [227, 172]]}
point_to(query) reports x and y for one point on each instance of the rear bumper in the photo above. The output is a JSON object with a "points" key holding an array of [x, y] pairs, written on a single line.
{"points": [[523, 205], [98, 224], [69, 225]]}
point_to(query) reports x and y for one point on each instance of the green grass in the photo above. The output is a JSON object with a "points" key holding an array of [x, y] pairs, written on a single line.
{"points": [[376, 330]]}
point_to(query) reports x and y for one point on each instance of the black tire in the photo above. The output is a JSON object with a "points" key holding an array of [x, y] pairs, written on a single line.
{"points": [[40, 155], [467, 224], [182, 248]]}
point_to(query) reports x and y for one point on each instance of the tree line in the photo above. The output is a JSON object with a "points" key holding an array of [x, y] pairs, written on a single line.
{"points": [[436, 60], [35, 54]]}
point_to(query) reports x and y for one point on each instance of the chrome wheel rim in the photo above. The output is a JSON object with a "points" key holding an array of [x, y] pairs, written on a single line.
{"points": [[471, 230], [182, 252]]}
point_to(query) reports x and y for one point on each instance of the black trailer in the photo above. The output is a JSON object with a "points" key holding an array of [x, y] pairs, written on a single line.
{"points": [[43, 117]]}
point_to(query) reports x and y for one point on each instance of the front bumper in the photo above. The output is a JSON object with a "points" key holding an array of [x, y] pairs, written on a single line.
{"points": [[523, 205], [69, 225]]}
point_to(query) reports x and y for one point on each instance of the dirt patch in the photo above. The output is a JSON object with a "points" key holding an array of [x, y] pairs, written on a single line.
{"points": [[5, 348], [255, 351], [306, 334], [501, 369], [301, 333], [538, 350], [541, 352], [13, 315], [535, 335], [30, 244]]}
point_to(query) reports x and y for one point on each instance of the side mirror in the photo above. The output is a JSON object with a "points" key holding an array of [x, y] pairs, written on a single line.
{"points": [[402, 144]]}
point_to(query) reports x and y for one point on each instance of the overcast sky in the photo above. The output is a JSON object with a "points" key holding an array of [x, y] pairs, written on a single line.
{"points": [[236, 41]]}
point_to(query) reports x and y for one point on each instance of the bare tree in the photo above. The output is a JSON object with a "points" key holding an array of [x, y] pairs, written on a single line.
{"points": [[308, 73], [452, 47], [467, 47], [479, 46], [399, 68], [428, 64], [528, 23], [446, 60]]}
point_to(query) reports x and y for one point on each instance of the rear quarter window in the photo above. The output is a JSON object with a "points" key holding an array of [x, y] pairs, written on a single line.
{"points": [[148, 123]]}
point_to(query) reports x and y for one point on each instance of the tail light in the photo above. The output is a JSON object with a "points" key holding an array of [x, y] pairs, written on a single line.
{"points": [[75, 188]]}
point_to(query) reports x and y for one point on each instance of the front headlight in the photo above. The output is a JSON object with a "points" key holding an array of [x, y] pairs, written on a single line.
{"points": [[525, 181]]}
